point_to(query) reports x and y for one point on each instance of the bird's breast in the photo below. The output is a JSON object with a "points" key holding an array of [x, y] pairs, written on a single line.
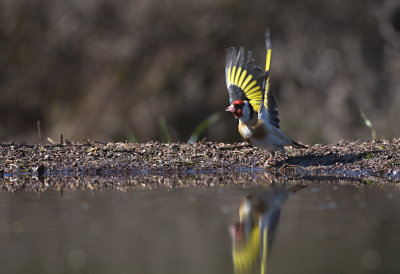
{"points": [[244, 132], [251, 133], [260, 136]]}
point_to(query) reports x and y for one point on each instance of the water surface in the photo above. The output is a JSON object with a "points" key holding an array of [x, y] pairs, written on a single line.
{"points": [[323, 228]]}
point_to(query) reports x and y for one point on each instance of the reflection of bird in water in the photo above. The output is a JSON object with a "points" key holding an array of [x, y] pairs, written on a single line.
{"points": [[252, 236]]}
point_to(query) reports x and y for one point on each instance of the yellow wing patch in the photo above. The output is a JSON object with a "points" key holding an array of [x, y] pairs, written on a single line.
{"points": [[242, 79], [267, 65], [268, 58], [266, 93], [246, 256]]}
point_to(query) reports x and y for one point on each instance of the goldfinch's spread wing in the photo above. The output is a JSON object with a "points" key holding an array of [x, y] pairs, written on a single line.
{"points": [[268, 109], [244, 79]]}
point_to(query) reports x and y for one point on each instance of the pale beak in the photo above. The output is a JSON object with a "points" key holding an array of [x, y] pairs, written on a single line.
{"points": [[231, 108]]}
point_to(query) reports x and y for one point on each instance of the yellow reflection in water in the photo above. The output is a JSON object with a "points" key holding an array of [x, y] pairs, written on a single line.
{"points": [[253, 234]]}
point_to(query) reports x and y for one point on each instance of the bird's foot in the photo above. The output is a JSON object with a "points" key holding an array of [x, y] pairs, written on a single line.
{"points": [[268, 177], [267, 162]]}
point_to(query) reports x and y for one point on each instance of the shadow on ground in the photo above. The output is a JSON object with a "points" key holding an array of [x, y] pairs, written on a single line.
{"points": [[329, 159]]}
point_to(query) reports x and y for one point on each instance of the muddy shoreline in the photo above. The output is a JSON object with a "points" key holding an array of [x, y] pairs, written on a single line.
{"points": [[347, 161]]}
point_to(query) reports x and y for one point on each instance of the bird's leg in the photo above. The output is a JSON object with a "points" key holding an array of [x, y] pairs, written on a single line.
{"points": [[269, 178], [269, 159]]}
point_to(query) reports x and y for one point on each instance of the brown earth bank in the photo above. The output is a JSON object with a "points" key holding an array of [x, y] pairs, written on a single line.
{"points": [[97, 165]]}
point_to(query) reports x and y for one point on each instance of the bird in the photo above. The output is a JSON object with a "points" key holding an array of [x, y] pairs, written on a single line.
{"points": [[252, 103], [252, 236]]}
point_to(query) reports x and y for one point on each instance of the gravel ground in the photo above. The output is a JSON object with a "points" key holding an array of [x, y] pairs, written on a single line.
{"points": [[96, 165]]}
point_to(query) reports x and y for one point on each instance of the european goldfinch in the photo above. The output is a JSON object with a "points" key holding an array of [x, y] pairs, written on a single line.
{"points": [[252, 102], [253, 235]]}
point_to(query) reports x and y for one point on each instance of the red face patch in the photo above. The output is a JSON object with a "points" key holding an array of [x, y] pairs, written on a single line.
{"points": [[238, 113], [236, 108], [238, 103]]}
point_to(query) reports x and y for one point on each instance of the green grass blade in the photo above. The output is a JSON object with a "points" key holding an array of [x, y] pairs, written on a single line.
{"points": [[368, 123], [131, 137], [203, 126], [164, 130]]}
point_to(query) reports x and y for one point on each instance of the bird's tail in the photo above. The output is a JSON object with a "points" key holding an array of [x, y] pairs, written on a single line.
{"points": [[295, 144]]}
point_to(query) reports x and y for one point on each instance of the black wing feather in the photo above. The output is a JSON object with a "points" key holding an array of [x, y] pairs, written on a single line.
{"points": [[237, 69], [268, 100], [273, 115]]}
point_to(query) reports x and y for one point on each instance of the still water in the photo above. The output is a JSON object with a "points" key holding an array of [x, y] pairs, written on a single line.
{"points": [[321, 228]]}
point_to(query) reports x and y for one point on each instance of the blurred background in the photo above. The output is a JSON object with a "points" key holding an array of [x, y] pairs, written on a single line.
{"points": [[145, 69]]}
